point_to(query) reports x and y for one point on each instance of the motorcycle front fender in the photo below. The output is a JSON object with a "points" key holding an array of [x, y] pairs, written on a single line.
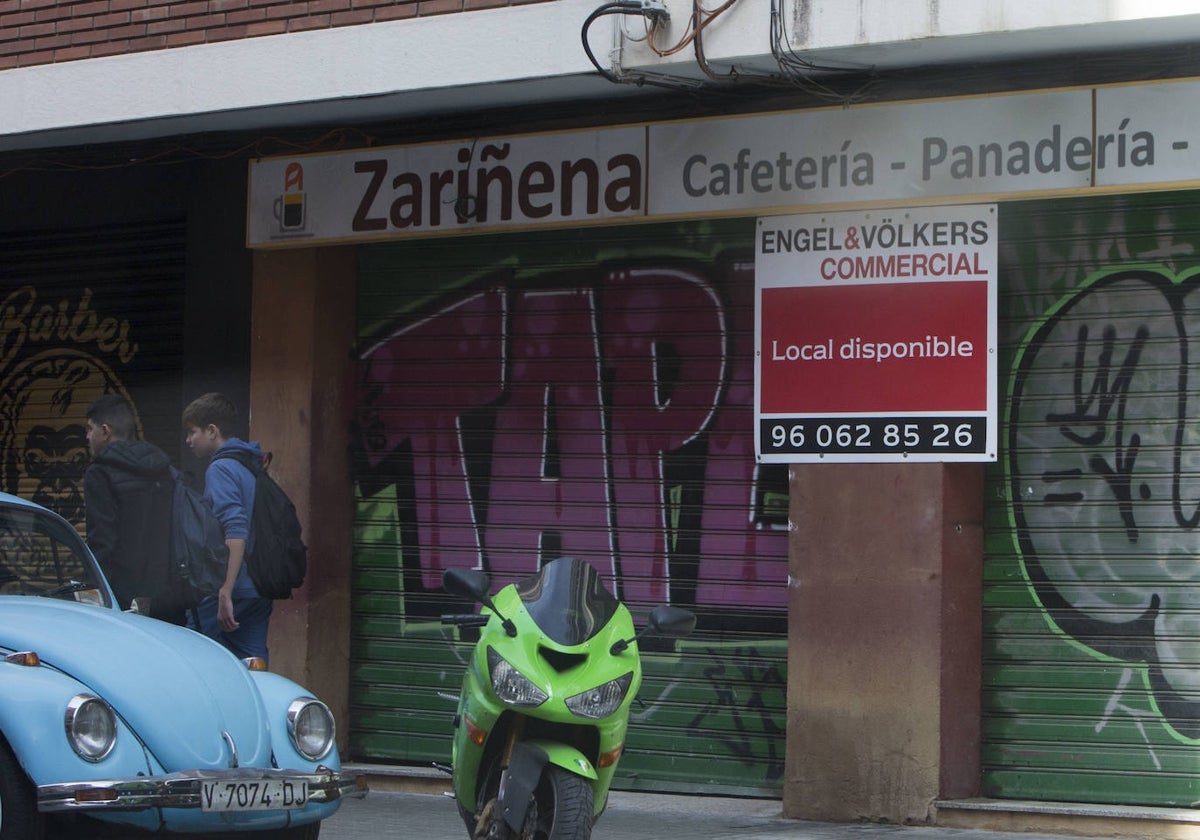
{"points": [[566, 757], [529, 759]]}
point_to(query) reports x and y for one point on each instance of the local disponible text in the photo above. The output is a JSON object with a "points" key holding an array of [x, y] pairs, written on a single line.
{"points": [[856, 349]]}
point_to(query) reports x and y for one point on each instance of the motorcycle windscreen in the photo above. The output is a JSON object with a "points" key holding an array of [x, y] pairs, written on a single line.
{"points": [[567, 600]]}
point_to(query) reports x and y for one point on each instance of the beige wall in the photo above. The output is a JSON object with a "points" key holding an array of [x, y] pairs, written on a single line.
{"points": [[301, 405], [884, 639]]}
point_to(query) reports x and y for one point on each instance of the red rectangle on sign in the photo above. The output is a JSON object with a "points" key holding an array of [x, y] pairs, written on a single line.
{"points": [[896, 347]]}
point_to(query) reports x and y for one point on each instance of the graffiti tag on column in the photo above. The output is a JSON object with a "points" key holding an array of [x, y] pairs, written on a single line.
{"points": [[562, 429], [1102, 459]]}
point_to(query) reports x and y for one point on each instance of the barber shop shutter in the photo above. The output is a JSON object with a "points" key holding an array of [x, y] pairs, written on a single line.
{"points": [[85, 311]]}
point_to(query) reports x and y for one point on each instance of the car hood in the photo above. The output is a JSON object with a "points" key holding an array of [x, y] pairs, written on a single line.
{"points": [[182, 693]]}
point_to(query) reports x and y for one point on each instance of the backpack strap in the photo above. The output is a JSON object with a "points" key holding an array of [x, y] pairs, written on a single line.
{"points": [[246, 460]]}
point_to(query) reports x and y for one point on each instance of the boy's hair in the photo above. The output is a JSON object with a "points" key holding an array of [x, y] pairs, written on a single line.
{"points": [[114, 411], [212, 409]]}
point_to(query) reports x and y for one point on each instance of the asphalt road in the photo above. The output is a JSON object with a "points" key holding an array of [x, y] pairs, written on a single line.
{"points": [[384, 814], [633, 816], [387, 814]]}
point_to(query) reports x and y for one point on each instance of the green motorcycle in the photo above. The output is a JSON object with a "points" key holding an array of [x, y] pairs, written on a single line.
{"points": [[545, 700]]}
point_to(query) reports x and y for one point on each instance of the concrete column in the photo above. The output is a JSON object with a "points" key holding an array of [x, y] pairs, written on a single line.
{"points": [[301, 405], [885, 564]]}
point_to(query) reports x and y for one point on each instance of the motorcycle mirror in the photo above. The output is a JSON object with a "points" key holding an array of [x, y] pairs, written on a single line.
{"points": [[474, 584], [467, 583], [672, 622]]}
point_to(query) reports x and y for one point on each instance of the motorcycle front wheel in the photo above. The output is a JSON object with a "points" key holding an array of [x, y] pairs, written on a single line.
{"points": [[561, 808]]}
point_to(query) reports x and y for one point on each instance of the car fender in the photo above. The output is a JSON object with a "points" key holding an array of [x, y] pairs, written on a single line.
{"points": [[33, 701]]}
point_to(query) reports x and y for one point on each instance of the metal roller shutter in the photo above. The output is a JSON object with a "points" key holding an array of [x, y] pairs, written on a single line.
{"points": [[585, 393], [1092, 602], [85, 311]]}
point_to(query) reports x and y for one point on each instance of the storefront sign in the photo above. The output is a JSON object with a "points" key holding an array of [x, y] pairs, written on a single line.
{"points": [[1048, 143], [574, 177], [1002, 144], [875, 336]]}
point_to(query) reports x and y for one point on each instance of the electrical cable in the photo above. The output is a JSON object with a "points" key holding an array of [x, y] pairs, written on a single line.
{"points": [[795, 71], [799, 71], [618, 7], [627, 7], [692, 30], [698, 41]]}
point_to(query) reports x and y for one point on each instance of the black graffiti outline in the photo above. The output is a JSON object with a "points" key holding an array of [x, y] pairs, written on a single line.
{"points": [[1132, 641], [1104, 396], [749, 662]]}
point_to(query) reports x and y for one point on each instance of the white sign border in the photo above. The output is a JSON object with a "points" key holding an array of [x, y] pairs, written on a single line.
{"points": [[991, 416]]}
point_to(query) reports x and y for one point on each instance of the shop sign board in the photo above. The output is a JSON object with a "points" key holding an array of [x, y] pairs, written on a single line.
{"points": [[1058, 142], [578, 177], [876, 335], [1001, 144]]}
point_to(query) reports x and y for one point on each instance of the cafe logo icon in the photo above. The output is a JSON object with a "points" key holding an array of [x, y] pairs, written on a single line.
{"points": [[289, 208]]}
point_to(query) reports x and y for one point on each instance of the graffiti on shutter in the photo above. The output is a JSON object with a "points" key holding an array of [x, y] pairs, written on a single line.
{"points": [[1093, 668], [574, 395]]}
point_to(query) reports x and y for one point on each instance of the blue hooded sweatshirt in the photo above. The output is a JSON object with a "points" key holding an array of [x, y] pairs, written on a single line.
{"points": [[230, 488]]}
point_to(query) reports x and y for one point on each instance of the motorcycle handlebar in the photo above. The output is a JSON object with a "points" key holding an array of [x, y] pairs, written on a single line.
{"points": [[466, 619]]}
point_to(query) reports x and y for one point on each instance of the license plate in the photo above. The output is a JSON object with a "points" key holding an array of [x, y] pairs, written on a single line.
{"points": [[259, 795]]}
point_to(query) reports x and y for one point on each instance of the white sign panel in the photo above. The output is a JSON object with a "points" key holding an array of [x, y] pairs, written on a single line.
{"points": [[1002, 144], [1056, 142], [875, 336], [578, 176], [1147, 134]]}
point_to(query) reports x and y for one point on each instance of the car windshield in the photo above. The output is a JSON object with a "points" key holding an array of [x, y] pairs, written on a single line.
{"points": [[567, 600], [41, 554]]}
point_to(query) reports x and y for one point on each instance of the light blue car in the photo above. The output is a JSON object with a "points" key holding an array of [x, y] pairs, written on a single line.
{"points": [[139, 723]]}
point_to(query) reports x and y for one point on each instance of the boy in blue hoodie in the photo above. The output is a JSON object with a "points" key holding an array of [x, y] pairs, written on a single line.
{"points": [[237, 616]]}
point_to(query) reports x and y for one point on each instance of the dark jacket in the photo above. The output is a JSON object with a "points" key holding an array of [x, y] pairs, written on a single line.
{"points": [[128, 493]]}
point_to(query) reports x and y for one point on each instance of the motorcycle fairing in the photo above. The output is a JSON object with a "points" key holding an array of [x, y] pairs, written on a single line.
{"points": [[567, 600]]}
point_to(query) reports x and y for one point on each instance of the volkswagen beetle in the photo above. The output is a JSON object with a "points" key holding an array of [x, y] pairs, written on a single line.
{"points": [[117, 717]]}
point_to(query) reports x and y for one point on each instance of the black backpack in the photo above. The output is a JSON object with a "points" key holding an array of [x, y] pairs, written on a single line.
{"points": [[280, 559], [198, 553]]}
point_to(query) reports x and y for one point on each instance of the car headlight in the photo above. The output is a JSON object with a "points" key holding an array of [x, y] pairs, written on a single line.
{"points": [[510, 685], [310, 723], [91, 727], [601, 701]]}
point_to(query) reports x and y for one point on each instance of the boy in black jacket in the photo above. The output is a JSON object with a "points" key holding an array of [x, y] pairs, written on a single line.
{"points": [[127, 493]]}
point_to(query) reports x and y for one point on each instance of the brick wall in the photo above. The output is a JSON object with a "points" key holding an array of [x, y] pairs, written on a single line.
{"points": [[43, 31]]}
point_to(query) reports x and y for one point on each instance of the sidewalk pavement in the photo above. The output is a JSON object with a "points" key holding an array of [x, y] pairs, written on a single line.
{"points": [[635, 816]]}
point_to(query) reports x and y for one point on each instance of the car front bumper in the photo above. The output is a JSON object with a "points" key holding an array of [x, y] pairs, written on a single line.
{"points": [[186, 789]]}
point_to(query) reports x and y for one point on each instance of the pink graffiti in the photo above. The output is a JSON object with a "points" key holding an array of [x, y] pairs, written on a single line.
{"points": [[740, 561], [412, 403], [554, 385], [636, 327], [592, 387]]}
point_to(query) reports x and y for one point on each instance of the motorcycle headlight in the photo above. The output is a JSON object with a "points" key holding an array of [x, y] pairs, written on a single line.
{"points": [[91, 727], [601, 701], [510, 685], [310, 723]]}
